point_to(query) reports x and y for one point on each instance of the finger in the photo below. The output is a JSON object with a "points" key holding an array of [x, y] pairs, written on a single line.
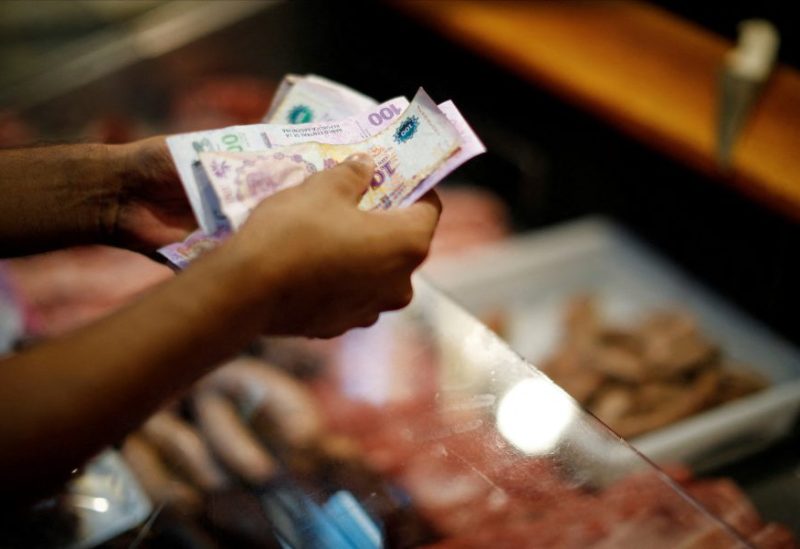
{"points": [[428, 208], [182, 447], [431, 198], [402, 297], [411, 229], [351, 177], [423, 215], [231, 440], [369, 320]]}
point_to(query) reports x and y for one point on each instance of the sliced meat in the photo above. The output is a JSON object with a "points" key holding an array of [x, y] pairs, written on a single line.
{"points": [[774, 536], [567, 368], [672, 343], [736, 382], [612, 403], [725, 500], [617, 355], [696, 397], [582, 321]]}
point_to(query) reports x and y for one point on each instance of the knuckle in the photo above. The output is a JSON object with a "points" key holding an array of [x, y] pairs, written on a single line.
{"points": [[369, 320], [346, 178], [405, 298], [401, 298], [357, 170]]}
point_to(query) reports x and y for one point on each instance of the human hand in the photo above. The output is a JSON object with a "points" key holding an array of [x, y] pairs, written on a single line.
{"points": [[321, 265], [152, 208]]}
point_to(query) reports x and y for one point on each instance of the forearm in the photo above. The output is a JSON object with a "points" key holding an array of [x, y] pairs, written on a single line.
{"points": [[83, 391], [58, 196], [307, 262]]}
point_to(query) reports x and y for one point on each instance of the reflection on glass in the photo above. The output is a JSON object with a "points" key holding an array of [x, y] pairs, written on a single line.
{"points": [[98, 505], [436, 434], [365, 364], [533, 416]]}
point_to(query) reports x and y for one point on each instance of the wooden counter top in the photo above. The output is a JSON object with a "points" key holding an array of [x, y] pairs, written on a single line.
{"points": [[644, 70]]}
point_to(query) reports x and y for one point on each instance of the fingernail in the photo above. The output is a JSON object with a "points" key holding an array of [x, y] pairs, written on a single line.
{"points": [[361, 158]]}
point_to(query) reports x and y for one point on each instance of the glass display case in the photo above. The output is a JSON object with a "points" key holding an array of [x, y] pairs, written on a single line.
{"points": [[425, 429]]}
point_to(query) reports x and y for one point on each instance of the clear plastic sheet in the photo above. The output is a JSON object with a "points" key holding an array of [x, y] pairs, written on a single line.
{"points": [[101, 501], [487, 449], [437, 434], [427, 431]]}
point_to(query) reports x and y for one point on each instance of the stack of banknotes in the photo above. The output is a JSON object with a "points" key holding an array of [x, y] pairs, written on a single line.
{"points": [[313, 124]]}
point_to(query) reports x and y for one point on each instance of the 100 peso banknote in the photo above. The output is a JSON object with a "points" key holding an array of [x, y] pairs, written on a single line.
{"points": [[185, 149], [312, 98], [405, 153], [354, 130]]}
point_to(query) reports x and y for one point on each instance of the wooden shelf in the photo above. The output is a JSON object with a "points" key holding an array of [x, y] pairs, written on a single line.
{"points": [[644, 70]]}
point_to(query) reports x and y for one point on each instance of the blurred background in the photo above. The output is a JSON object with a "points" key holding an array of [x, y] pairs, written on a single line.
{"points": [[558, 149], [615, 114]]}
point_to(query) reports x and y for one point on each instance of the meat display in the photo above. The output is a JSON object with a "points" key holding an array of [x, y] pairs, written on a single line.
{"points": [[477, 490], [645, 376], [65, 289], [309, 420]]}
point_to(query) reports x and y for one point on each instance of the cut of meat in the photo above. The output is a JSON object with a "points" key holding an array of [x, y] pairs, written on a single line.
{"points": [[724, 499], [774, 536]]}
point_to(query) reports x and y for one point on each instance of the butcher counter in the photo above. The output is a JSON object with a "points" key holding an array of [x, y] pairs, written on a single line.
{"points": [[431, 430]]}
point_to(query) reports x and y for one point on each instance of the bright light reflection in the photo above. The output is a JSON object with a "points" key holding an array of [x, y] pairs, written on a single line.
{"points": [[534, 414], [365, 363], [99, 505]]}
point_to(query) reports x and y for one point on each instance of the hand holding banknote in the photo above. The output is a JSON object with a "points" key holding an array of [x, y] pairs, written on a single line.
{"points": [[152, 209], [305, 261], [324, 266]]}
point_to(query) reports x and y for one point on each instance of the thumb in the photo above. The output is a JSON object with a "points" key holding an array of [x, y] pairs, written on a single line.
{"points": [[422, 216], [350, 177]]}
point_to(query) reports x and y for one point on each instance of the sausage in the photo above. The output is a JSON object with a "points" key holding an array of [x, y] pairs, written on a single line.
{"points": [[230, 439], [253, 384], [183, 449], [156, 480]]}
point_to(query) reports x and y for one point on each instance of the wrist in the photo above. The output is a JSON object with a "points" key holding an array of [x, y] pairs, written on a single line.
{"points": [[87, 191], [151, 207], [120, 172], [254, 283]]}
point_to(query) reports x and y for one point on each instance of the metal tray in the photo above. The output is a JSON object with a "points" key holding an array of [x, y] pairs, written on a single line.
{"points": [[531, 276]]}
